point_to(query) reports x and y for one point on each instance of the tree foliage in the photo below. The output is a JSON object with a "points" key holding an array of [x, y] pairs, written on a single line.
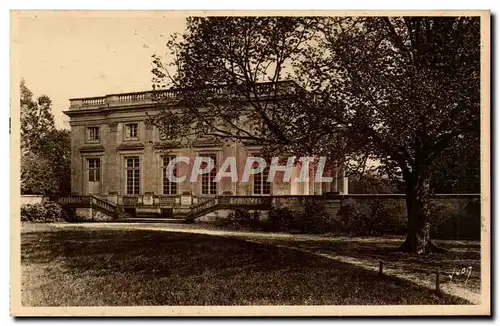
{"points": [[409, 89], [45, 151], [36, 118], [406, 88], [459, 170], [403, 91], [229, 72]]}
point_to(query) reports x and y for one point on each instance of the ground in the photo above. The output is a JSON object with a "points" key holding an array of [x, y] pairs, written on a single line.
{"points": [[94, 265], [459, 266]]}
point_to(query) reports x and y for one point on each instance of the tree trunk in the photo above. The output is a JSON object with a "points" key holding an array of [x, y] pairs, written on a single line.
{"points": [[418, 239]]}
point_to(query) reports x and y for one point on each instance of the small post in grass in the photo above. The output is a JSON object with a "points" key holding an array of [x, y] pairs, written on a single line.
{"points": [[380, 268], [438, 284]]}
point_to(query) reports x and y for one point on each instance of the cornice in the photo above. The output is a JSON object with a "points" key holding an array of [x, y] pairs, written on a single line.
{"points": [[130, 147], [92, 149]]}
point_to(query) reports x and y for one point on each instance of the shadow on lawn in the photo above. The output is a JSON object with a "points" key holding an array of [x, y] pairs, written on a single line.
{"points": [[458, 255], [109, 267]]}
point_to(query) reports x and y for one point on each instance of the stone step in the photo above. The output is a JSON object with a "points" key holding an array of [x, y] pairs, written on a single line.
{"points": [[151, 220]]}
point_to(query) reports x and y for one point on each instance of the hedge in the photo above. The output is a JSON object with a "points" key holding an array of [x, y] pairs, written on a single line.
{"points": [[47, 212], [451, 218]]}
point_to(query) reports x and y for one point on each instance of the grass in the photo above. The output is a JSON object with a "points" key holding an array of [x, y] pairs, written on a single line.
{"points": [[90, 267], [458, 255]]}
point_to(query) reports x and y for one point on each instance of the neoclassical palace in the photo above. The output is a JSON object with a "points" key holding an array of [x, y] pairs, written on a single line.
{"points": [[118, 157]]}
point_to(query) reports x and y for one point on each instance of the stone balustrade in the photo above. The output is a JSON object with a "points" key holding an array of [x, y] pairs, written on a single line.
{"points": [[168, 95], [117, 100]]}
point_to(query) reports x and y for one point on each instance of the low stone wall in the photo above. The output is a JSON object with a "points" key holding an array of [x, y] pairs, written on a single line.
{"points": [[332, 204], [90, 214], [83, 213], [452, 216], [33, 199], [455, 217]]}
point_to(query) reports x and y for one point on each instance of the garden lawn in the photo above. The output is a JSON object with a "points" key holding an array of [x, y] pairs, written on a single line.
{"points": [[76, 266], [458, 257]]}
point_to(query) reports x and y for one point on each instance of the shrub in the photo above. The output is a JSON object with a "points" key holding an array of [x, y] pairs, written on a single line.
{"points": [[451, 218], [354, 216], [469, 222], [54, 211], [312, 218], [455, 219], [255, 218], [266, 226], [372, 217], [240, 214], [33, 213], [42, 213], [280, 218], [242, 218]]}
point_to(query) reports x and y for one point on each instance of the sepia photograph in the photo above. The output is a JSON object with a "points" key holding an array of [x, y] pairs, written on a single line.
{"points": [[250, 163]]}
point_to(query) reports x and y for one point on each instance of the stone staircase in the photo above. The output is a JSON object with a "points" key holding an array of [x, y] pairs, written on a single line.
{"points": [[101, 205], [228, 202], [117, 213], [154, 217], [203, 208]]}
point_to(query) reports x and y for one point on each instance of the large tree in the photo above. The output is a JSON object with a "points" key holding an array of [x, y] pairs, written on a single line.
{"points": [[56, 146], [45, 151], [37, 119], [402, 91], [411, 89]]}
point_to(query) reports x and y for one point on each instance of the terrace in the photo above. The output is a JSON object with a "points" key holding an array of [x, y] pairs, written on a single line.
{"points": [[172, 96]]}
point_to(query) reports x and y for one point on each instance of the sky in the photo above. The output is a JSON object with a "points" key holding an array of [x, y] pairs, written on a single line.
{"points": [[68, 56]]}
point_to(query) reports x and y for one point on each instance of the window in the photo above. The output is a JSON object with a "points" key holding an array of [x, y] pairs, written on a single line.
{"points": [[131, 131], [169, 187], [93, 134], [133, 175], [208, 185], [260, 184], [94, 169]]}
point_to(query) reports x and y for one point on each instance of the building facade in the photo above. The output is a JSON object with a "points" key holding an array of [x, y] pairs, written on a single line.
{"points": [[118, 156]]}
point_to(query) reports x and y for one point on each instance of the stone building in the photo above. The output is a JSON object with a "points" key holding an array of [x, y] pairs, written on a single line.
{"points": [[118, 157]]}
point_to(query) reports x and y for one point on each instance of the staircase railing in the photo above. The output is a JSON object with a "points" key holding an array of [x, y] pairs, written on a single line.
{"points": [[195, 210], [229, 202], [74, 200], [252, 201], [104, 206], [91, 201], [205, 207]]}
